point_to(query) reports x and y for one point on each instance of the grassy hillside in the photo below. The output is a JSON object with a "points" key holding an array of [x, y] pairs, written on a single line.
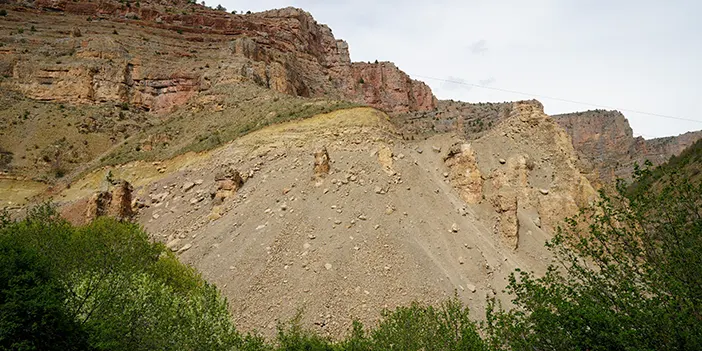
{"points": [[46, 141]]}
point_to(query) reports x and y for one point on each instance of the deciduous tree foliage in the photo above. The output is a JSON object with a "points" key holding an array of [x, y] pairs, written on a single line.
{"points": [[102, 286], [629, 277]]}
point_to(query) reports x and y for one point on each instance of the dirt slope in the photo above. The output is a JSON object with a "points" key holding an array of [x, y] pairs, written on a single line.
{"points": [[385, 227]]}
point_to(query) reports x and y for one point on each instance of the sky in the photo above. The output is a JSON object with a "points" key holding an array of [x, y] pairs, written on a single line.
{"points": [[641, 57]]}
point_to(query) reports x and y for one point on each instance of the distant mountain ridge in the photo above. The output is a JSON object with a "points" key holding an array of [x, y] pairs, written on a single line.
{"points": [[606, 143]]}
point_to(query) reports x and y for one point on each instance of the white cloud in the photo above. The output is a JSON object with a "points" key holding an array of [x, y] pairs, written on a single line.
{"points": [[478, 47]]}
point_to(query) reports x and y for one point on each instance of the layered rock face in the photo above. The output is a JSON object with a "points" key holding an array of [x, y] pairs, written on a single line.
{"points": [[470, 120], [525, 168], [385, 86], [603, 139], [189, 48], [608, 148]]}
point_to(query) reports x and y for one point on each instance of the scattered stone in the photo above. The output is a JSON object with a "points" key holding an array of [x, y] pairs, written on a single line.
{"points": [[227, 183], [436, 148], [138, 204], [213, 216], [187, 186], [445, 174], [328, 266], [199, 182], [326, 190], [543, 191], [537, 221], [502, 161], [185, 247], [155, 216], [385, 160], [454, 228], [284, 206], [461, 260], [362, 217], [306, 246], [378, 190], [419, 151], [173, 244], [470, 287]]}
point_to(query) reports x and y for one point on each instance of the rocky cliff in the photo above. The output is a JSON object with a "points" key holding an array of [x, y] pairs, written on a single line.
{"points": [[470, 120], [607, 145], [603, 139], [525, 168], [182, 49]]}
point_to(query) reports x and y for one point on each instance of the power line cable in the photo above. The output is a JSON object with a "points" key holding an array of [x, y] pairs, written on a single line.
{"points": [[559, 99]]}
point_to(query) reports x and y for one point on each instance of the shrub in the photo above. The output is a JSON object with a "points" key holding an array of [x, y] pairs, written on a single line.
{"points": [[417, 327], [125, 292], [3, 12], [32, 313], [629, 277]]}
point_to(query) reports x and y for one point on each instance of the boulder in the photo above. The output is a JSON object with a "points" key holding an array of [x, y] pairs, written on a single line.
{"points": [[115, 202], [321, 162], [227, 183]]}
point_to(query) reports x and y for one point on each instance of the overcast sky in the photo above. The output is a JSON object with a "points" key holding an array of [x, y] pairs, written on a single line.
{"points": [[641, 55]]}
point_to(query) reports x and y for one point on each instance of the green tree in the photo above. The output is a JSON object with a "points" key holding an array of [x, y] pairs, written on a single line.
{"points": [[417, 327], [32, 312], [108, 280], [629, 277]]}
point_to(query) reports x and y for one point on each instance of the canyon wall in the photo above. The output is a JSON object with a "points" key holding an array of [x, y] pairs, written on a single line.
{"points": [[181, 50], [608, 148]]}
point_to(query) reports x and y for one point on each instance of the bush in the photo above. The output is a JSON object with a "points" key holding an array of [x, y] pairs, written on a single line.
{"points": [[3, 12], [32, 313], [629, 278], [417, 327], [125, 292]]}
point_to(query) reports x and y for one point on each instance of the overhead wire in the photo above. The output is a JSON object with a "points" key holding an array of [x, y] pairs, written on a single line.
{"points": [[558, 99]]}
